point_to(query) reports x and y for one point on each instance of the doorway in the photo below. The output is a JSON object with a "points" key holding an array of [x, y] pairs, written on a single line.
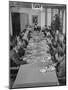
{"points": [[15, 23]]}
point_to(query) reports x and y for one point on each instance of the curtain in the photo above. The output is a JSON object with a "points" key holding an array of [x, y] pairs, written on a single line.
{"points": [[24, 20]]}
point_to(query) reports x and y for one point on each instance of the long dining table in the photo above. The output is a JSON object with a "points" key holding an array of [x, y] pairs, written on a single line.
{"points": [[29, 75], [33, 74]]}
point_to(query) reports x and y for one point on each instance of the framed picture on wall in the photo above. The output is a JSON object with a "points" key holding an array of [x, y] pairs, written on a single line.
{"points": [[36, 5], [35, 19]]}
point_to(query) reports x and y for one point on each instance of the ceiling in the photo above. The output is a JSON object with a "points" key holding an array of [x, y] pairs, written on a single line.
{"points": [[29, 5]]}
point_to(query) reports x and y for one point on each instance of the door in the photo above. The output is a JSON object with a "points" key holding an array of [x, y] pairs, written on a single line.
{"points": [[15, 23]]}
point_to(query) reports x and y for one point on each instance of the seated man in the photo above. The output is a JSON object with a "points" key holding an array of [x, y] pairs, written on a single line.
{"points": [[61, 67], [29, 35], [53, 49], [24, 43], [35, 27], [13, 42], [15, 55]]}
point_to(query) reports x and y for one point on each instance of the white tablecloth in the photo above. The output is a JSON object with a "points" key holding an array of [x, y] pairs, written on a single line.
{"points": [[29, 75]]}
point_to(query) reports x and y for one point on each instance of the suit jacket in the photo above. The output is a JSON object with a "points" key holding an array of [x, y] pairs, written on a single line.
{"points": [[61, 68]]}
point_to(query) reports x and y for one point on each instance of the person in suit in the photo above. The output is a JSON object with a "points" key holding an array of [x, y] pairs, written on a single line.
{"points": [[35, 27], [61, 63], [15, 54], [57, 22], [53, 24], [61, 68]]}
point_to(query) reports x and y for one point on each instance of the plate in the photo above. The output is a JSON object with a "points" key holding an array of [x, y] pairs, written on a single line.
{"points": [[42, 70], [51, 68]]}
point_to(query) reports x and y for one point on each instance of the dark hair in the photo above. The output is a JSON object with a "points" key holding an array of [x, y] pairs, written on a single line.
{"points": [[54, 43], [21, 52], [24, 30], [26, 43], [60, 53], [13, 40], [45, 25]]}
